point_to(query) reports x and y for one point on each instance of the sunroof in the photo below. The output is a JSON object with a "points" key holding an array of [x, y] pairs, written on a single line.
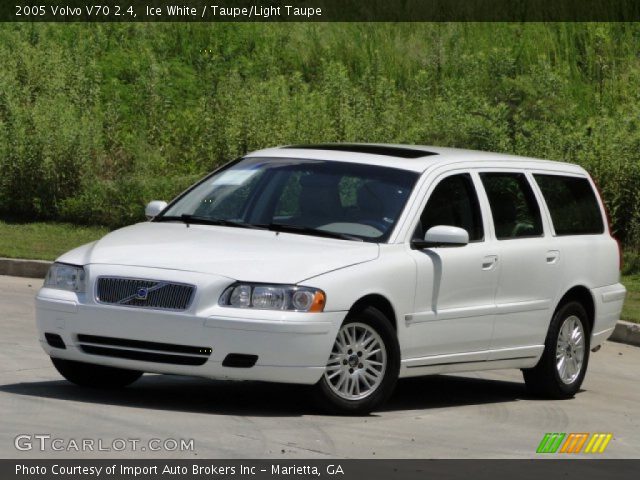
{"points": [[371, 149]]}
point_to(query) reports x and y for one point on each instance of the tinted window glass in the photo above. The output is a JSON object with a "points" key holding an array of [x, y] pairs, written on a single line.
{"points": [[453, 202], [228, 199], [572, 204], [513, 206]]}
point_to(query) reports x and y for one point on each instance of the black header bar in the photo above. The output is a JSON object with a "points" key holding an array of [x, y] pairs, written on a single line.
{"points": [[320, 11]]}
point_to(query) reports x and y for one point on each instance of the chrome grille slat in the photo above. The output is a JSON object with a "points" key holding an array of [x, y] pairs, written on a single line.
{"points": [[160, 294]]}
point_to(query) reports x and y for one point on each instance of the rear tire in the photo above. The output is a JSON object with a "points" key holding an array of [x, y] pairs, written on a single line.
{"points": [[363, 366], [96, 376], [563, 365]]}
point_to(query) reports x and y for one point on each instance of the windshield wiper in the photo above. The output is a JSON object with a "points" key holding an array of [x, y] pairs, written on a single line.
{"points": [[195, 219], [274, 227], [283, 227], [198, 220]]}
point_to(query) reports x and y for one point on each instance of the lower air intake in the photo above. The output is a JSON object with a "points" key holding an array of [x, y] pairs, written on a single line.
{"points": [[144, 351], [239, 360]]}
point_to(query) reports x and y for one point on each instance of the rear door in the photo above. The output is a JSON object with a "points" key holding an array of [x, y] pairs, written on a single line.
{"points": [[529, 264]]}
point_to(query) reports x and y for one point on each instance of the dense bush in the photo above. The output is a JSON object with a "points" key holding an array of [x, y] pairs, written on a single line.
{"points": [[631, 263], [95, 120]]}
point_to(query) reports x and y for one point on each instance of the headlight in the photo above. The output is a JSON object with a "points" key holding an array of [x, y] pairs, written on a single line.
{"points": [[273, 297], [65, 277]]}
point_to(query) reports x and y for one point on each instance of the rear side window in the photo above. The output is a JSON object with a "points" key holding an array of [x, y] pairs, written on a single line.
{"points": [[514, 207], [572, 204], [453, 202]]}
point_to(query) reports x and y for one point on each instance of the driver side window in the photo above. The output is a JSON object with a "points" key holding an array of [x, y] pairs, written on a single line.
{"points": [[453, 202]]}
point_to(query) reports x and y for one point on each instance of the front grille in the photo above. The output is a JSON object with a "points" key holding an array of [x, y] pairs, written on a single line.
{"points": [[144, 351], [132, 292]]}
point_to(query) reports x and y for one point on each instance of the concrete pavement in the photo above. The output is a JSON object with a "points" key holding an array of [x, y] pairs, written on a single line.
{"points": [[482, 415]]}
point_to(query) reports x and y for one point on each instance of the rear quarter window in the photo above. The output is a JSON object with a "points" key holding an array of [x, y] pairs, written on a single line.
{"points": [[572, 204]]}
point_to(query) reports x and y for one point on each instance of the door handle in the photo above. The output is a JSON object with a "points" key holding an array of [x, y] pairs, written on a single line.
{"points": [[553, 256], [489, 262]]}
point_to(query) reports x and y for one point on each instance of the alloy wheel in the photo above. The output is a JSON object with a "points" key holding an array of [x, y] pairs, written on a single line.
{"points": [[357, 362], [570, 349]]}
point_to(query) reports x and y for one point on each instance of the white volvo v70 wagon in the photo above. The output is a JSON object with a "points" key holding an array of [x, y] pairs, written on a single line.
{"points": [[346, 267]]}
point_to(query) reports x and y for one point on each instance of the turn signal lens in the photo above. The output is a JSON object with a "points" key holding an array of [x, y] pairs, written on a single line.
{"points": [[318, 302]]}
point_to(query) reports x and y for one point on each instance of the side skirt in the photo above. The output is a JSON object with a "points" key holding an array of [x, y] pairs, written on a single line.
{"points": [[522, 357]]}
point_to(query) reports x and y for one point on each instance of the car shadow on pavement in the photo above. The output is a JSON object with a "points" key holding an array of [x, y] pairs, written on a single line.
{"points": [[196, 395], [441, 391]]}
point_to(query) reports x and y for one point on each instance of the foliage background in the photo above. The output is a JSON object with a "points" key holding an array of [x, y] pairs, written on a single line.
{"points": [[97, 119]]}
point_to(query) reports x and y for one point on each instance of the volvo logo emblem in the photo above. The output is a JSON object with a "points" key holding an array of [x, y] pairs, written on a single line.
{"points": [[142, 293]]}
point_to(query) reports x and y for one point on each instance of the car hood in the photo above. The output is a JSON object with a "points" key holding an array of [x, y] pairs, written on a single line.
{"points": [[236, 253]]}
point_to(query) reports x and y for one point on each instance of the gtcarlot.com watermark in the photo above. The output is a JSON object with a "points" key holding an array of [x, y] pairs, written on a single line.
{"points": [[44, 442]]}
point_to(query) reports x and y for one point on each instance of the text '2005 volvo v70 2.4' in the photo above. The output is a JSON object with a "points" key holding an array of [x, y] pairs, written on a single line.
{"points": [[346, 266]]}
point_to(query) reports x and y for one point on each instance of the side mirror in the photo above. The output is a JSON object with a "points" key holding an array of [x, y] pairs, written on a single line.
{"points": [[442, 236], [154, 208]]}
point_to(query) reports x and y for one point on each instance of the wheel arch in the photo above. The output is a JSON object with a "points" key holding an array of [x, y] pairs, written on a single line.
{"points": [[583, 295], [378, 301]]}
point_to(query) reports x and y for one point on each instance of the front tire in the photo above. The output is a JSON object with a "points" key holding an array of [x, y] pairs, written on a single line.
{"points": [[563, 365], [96, 376], [363, 365]]}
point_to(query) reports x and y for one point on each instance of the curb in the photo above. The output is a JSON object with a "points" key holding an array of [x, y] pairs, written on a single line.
{"points": [[18, 267], [625, 332]]}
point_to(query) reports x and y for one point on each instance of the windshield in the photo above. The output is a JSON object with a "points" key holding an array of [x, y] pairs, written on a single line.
{"points": [[313, 197]]}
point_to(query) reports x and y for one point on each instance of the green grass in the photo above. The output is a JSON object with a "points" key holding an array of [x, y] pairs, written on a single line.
{"points": [[44, 241], [631, 310]]}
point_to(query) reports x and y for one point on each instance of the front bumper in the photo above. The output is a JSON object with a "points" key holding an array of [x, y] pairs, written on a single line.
{"points": [[291, 347]]}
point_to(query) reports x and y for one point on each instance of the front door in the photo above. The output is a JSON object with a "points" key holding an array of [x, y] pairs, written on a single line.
{"points": [[455, 286]]}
